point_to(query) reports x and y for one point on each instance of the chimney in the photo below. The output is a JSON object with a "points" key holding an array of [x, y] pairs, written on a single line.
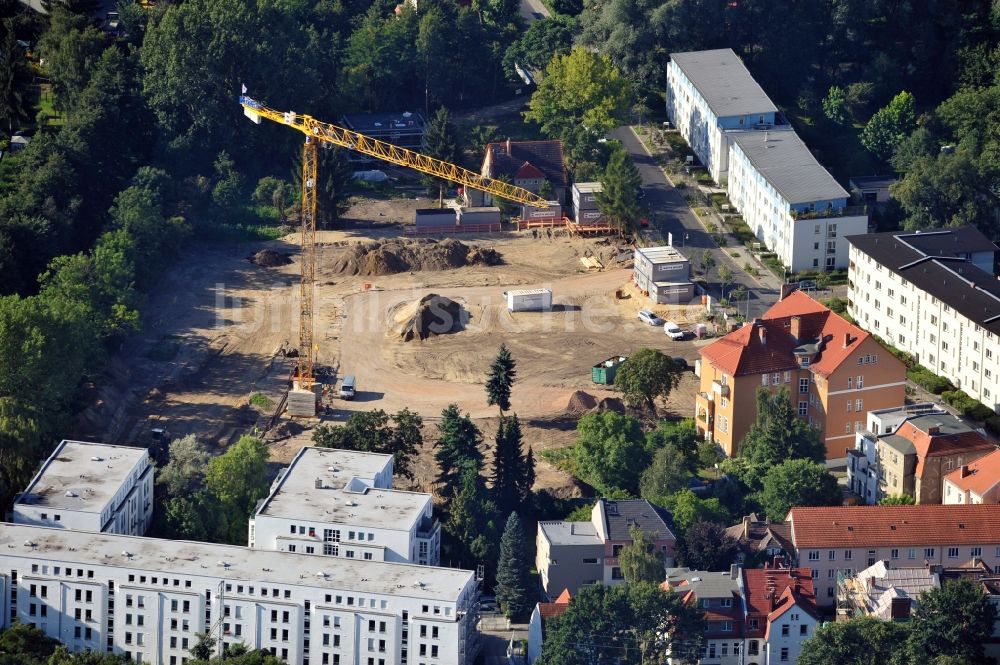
{"points": [[847, 339], [508, 146], [779, 561], [934, 430], [797, 328], [965, 471], [762, 333], [734, 572]]}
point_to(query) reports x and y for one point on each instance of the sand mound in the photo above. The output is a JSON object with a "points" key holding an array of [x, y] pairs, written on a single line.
{"points": [[387, 257], [270, 258], [429, 316], [580, 403]]}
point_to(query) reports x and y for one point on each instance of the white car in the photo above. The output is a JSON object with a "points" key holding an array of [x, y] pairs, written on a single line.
{"points": [[673, 330], [649, 318]]}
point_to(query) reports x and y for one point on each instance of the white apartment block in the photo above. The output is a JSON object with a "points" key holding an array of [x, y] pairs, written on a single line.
{"points": [[790, 202], [710, 97], [934, 295], [90, 487], [147, 598], [341, 503]]}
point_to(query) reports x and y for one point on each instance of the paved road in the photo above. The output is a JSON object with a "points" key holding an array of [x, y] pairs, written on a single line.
{"points": [[671, 213], [532, 10]]}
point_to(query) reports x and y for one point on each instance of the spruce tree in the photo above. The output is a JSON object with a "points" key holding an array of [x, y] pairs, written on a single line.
{"points": [[619, 198], [513, 587], [513, 470], [502, 375], [471, 521], [527, 479], [441, 141], [457, 448]]}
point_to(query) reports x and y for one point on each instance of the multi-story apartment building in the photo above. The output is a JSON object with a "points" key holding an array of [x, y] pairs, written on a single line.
{"points": [[571, 554], [914, 451], [341, 503], [710, 97], [934, 295], [149, 598], [790, 202], [780, 614], [976, 482], [90, 487], [833, 371], [845, 539]]}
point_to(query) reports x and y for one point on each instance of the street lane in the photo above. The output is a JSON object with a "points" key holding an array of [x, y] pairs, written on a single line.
{"points": [[671, 213]]}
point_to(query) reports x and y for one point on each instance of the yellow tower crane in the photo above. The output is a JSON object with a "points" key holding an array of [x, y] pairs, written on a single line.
{"points": [[315, 131]]}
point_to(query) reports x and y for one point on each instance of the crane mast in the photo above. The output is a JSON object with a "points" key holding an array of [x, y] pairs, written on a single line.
{"points": [[316, 131]]}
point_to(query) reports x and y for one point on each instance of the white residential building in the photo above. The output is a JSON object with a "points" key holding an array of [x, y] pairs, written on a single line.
{"points": [[341, 503], [791, 203], [710, 97], [934, 295], [90, 487], [148, 598]]}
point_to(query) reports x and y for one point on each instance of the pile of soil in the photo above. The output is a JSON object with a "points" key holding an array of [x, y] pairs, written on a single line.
{"points": [[390, 256], [580, 403], [270, 258], [429, 316]]}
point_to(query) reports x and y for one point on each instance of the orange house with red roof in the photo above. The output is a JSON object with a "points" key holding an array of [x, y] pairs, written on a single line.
{"points": [[834, 372], [977, 482]]}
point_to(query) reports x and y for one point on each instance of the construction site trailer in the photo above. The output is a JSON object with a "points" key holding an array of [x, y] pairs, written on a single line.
{"points": [[481, 215], [603, 373], [585, 195], [589, 217], [529, 300], [530, 213], [663, 273], [435, 217]]}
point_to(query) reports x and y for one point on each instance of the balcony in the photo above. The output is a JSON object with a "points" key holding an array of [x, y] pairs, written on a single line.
{"points": [[427, 528], [826, 213]]}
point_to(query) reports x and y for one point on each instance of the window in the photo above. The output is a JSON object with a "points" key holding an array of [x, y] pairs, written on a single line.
{"points": [[727, 602], [814, 555], [803, 629], [929, 553], [784, 630], [803, 386], [803, 409], [894, 554], [784, 654], [832, 555], [848, 555], [952, 552], [726, 627], [858, 402], [976, 552]]}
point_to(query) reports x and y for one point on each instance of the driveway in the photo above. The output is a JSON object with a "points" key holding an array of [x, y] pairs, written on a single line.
{"points": [[532, 10], [670, 213]]}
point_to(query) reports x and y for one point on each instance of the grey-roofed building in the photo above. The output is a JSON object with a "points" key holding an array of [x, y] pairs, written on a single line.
{"points": [[762, 538], [934, 295], [872, 189], [710, 94], [569, 555], [663, 273], [790, 202]]}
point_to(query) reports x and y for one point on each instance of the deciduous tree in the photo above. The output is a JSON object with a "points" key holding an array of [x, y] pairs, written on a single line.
{"points": [[798, 482], [646, 375], [238, 477], [707, 546], [640, 561], [890, 126], [610, 452], [859, 641], [953, 620]]}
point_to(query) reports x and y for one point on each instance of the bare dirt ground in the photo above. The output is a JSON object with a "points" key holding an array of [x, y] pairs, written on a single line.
{"points": [[213, 329]]}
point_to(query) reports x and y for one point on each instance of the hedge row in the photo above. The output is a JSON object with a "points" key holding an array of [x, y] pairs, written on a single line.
{"points": [[968, 406]]}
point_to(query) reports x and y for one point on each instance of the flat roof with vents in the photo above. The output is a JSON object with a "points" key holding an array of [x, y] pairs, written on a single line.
{"points": [[82, 476], [724, 81], [211, 562], [337, 486]]}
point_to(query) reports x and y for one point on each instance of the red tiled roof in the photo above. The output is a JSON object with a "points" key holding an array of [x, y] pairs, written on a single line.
{"points": [[549, 610], [765, 591], [743, 352], [980, 476], [883, 526], [939, 445], [528, 172], [789, 599], [564, 597]]}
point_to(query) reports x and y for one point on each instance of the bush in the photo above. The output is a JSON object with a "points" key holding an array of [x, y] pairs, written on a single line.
{"points": [[967, 406], [981, 412], [929, 381], [993, 425]]}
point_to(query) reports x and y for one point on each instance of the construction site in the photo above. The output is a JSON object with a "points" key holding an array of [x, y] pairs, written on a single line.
{"points": [[255, 337]]}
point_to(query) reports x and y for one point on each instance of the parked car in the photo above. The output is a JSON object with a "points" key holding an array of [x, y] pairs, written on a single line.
{"points": [[673, 330], [649, 318], [682, 363]]}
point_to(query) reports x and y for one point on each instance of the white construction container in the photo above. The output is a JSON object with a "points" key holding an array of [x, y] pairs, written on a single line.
{"points": [[529, 300]]}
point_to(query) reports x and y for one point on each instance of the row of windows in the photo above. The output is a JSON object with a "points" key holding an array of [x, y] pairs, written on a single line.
{"points": [[911, 553]]}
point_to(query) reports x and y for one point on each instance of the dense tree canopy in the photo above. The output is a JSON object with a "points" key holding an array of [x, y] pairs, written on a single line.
{"points": [[611, 452], [647, 375], [798, 482]]}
